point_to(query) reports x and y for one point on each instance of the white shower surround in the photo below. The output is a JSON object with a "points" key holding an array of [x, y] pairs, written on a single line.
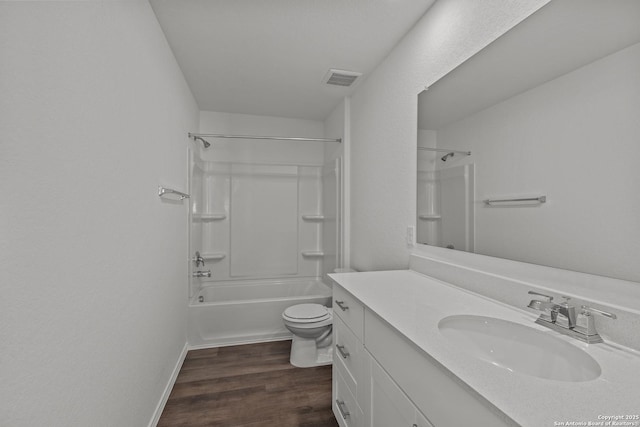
{"points": [[262, 211]]}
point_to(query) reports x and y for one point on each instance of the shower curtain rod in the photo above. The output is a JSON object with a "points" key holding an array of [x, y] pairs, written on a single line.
{"points": [[278, 138], [444, 150]]}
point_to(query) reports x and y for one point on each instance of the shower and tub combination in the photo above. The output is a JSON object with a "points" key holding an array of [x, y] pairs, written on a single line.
{"points": [[235, 312], [265, 229]]}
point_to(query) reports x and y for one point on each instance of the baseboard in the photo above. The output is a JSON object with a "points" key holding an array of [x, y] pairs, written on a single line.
{"points": [[169, 387], [239, 342]]}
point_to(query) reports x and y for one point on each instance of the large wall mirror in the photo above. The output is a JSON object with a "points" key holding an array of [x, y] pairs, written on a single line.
{"points": [[530, 150]]}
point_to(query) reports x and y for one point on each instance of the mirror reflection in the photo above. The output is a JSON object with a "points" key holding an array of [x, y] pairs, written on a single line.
{"points": [[530, 149]]}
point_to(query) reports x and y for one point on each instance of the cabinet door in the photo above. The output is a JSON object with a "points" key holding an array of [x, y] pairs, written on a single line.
{"points": [[421, 420], [389, 405]]}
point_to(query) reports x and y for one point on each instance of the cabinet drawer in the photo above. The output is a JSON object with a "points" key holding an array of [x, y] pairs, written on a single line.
{"points": [[349, 310], [348, 350], [345, 407], [346, 377]]}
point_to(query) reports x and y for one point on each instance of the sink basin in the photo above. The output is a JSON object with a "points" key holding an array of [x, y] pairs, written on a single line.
{"points": [[519, 348]]}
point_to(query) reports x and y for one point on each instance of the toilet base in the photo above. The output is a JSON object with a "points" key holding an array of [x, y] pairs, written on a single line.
{"points": [[305, 354]]}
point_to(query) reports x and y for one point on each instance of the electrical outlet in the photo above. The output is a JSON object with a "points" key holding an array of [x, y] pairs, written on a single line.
{"points": [[411, 235]]}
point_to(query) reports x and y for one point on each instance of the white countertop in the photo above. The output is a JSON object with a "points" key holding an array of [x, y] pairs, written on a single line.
{"points": [[413, 304]]}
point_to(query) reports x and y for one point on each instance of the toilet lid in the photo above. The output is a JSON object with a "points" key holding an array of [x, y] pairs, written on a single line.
{"points": [[307, 312]]}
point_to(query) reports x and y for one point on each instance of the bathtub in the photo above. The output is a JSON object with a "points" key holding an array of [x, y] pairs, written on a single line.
{"points": [[247, 312]]}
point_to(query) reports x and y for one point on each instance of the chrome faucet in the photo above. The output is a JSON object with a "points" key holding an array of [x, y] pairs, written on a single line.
{"points": [[565, 314], [562, 318]]}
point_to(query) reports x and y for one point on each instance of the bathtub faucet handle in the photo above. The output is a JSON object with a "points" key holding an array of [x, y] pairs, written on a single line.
{"points": [[198, 259]]}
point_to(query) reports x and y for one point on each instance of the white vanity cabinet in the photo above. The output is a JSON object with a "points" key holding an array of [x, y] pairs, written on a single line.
{"points": [[350, 380], [381, 379]]}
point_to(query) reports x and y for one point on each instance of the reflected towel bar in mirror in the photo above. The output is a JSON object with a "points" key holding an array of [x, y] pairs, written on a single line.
{"points": [[524, 200]]}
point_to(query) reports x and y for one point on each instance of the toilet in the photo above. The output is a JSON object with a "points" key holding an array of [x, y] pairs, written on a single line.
{"points": [[312, 329], [311, 326]]}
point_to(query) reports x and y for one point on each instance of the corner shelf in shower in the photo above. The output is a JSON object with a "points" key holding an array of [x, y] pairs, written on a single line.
{"points": [[213, 256], [431, 217], [312, 254], [313, 217], [210, 216]]}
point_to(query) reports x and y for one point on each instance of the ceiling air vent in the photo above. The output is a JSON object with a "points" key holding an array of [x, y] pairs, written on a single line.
{"points": [[340, 77]]}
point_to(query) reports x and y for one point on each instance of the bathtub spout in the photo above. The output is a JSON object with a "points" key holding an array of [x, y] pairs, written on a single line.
{"points": [[202, 273]]}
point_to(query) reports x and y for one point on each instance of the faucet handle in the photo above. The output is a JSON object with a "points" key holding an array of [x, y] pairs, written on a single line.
{"points": [[586, 324], [549, 297], [586, 310], [198, 259], [544, 306]]}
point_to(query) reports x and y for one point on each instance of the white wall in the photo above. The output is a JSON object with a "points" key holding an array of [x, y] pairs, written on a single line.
{"points": [[573, 139], [93, 266], [384, 120]]}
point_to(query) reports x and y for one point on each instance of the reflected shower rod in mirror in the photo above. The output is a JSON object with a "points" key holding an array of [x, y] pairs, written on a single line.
{"points": [[450, 153], [444, 150], [200, 136]]}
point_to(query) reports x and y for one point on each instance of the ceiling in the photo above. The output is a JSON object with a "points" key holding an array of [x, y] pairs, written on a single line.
{"points": [[270, 57], [560, 37]]}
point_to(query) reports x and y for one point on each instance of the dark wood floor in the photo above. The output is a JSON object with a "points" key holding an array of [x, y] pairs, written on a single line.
{"points": [[250, 386]]}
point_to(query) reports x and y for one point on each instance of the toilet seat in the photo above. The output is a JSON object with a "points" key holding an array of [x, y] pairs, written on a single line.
{"points": [[306, 313]]}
